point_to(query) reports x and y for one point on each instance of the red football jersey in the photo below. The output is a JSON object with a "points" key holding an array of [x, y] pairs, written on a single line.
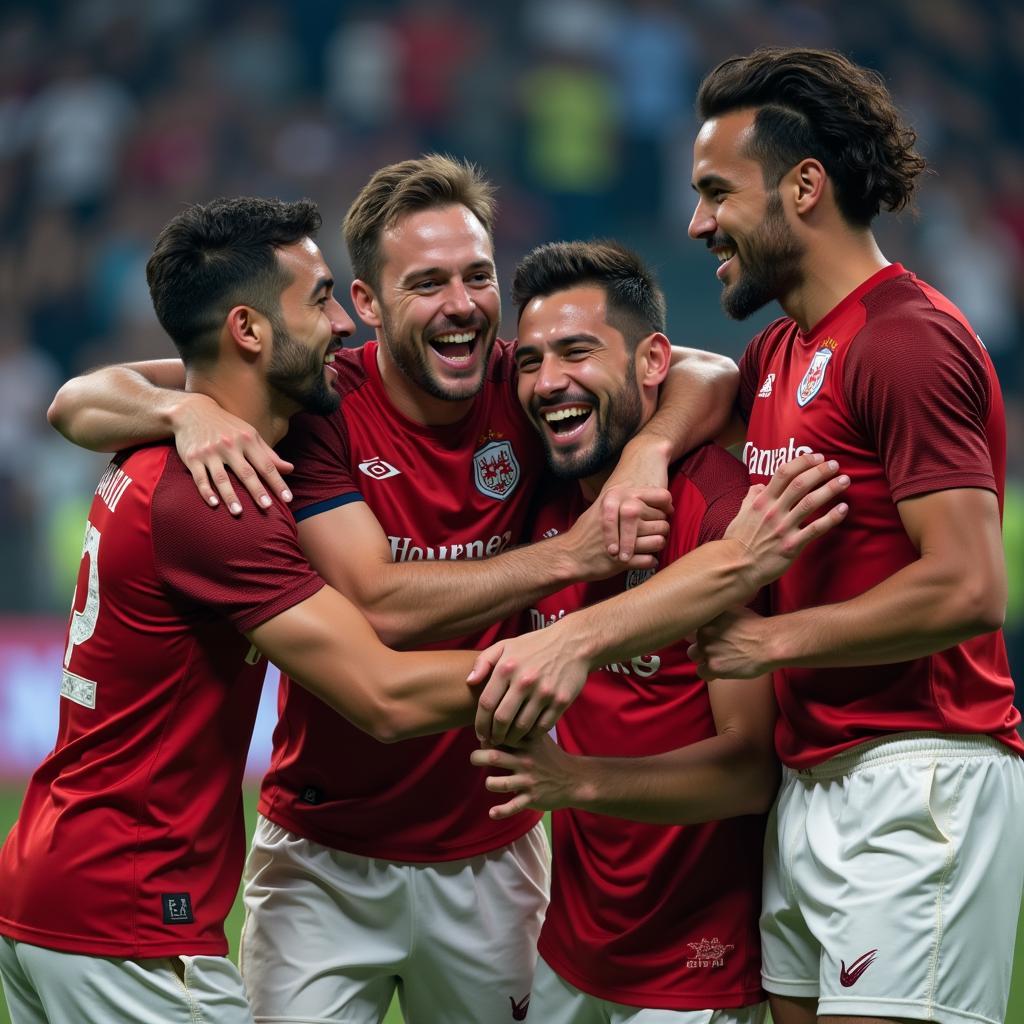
{"points": [[652, 915], [895, 385], [130, 840], [449, 492]]}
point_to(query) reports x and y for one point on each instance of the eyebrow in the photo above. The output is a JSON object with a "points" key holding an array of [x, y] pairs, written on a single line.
{"points": [[430, 271], [323, 283], [708, 181]]}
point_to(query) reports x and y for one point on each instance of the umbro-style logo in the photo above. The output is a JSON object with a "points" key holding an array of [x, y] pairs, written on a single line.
{"points": [[849, 975], [766, 387], [177, 908], [377, 469], [520, 1009]]}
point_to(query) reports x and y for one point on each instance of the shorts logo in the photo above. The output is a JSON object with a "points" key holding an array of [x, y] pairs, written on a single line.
{"points": [[520, 1009], [496, 470], [766, 387], [814, 377], [708, 953], [849, 975], [377, 469], [177, 908]]}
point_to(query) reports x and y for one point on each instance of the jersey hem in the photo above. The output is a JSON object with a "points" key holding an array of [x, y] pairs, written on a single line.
{"points": [[120, 951], [488, 844], [947, 482], [654, 1000], [868, 1007]]}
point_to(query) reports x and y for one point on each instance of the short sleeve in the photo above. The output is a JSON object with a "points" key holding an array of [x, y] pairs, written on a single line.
{"points": [[919, 388], [248, 570]]}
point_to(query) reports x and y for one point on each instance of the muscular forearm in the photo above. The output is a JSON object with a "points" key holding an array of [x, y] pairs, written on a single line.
{"points": [[669, 606], [918, 611], [719, 777], [695, 404], [417, 602], [116, 406]]}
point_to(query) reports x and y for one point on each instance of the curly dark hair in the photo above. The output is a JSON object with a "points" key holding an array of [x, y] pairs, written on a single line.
{"points": [[817, 103], [636, 305], [425, 183], [213, 256]]}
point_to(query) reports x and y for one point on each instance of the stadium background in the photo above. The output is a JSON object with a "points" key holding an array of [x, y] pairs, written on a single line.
{"points": [[114, 113]]}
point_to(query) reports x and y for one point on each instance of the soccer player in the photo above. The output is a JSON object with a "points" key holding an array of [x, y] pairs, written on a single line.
{"points": [[379, 868], [893, 867], [657, 913], [115, 881]]}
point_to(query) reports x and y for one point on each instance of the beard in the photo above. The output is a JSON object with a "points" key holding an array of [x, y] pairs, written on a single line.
{"points": [[769, 264], [298, 374], [617, 422], [413, 361]]}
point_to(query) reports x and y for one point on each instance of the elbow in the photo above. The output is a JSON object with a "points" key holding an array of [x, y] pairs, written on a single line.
{"points": [[981, 605], [388, 723], [57, 414]]}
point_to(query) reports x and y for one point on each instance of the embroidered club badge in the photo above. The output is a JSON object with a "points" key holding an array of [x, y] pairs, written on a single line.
{"points": [[496, 470], [814, 377]]}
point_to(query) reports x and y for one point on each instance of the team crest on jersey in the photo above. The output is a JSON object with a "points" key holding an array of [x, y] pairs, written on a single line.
{"points": [[815, 375], [496, 470], [709, 952]]}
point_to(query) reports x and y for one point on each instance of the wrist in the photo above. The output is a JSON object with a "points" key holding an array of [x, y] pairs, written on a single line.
{"points": [[650, 443], [178, 407]]}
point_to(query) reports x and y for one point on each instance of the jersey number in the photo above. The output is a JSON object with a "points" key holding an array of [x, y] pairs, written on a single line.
{"points": [[83, 623]]}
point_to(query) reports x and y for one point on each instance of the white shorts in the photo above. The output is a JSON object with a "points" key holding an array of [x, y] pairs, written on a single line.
{"points": [[556, 1001], [45, 986], [331, 936], [893, 876]]}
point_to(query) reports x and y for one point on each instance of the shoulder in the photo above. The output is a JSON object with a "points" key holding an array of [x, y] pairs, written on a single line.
{"points": [[501, 367], [711, 470]]}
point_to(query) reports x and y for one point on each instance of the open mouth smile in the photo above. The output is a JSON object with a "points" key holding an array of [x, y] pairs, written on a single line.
{"points": [[567, 422], [456, 347]]}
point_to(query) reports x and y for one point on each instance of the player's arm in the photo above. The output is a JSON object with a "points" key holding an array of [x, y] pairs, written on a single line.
{"points": [[409, 603], [117, 407], [954, 590], [324, 644], [694, 406], [535, 677], [734, 772]]}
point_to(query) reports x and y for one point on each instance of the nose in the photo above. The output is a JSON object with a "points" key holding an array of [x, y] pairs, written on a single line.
{"points": [[342, 325], [702, 223], [458, 304], [551, 378]]}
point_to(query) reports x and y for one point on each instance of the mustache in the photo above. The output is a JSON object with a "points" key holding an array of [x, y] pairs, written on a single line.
{"points": [[475, 322], [721, 242], [538, 405]]}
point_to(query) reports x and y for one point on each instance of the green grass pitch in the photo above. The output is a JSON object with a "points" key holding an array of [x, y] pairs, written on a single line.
{"points": [[10, 800]]}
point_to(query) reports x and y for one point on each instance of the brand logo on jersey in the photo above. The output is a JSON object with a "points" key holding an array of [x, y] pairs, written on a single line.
{"points": [[766, 387], [253, 655], [848, 975], [815, 375], [708, 953], [520, 1009], [177, 908], [637, 576], [496, 470], [377, 469], [553, 532], [75, 688], [764, 461], [311, 795]]}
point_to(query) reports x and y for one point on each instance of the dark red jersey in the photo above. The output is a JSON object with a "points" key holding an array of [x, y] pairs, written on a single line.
{"points": [[130, 840], [895, 385], [440, 493], [652, 915]]}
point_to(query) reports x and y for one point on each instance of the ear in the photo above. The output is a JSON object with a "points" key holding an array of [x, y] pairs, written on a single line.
{"points": [[806, 185], [367, 306], [249, 330], [653, 358]]}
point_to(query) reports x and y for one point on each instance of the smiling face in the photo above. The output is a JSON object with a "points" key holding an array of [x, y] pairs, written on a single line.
{"points": [[308, 329], [742, 222], [437, 305], [577, 381]]}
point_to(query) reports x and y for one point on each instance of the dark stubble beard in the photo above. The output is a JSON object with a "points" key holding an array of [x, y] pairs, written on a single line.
{"points": [[621, 420], [769, 264], [298, 374]]}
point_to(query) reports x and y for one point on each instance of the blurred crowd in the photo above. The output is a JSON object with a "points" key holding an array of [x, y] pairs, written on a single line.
{"points": [[115, 113]]}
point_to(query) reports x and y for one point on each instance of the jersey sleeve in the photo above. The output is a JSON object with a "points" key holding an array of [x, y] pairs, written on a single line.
{"points": [[919, 388], [248, 570], [323, 478]]}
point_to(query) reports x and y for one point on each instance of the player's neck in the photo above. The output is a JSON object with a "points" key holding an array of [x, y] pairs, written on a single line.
{"points": [[246, 401], [833, 268]]}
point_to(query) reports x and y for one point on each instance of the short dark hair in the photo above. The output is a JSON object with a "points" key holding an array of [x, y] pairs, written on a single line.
{"points": [[818, 103], [425, 183], [636, 305], [213, 256]]}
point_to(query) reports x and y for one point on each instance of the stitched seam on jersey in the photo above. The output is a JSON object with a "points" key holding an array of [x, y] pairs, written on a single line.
{"points": [[933, 966]]}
